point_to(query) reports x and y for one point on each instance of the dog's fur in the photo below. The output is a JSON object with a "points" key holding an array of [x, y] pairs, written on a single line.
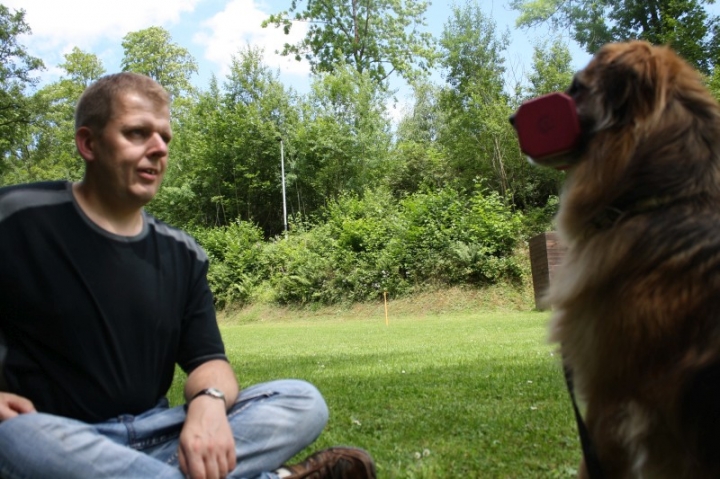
{"points": [[636, 302]]}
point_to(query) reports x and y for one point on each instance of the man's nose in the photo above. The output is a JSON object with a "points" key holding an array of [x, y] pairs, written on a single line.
{"points": [[158, 144]]}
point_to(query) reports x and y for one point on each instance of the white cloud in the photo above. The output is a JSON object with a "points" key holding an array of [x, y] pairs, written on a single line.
{"points": [[95, 26], [238, 25], [213, 31], [57, 24], [98, 26]]}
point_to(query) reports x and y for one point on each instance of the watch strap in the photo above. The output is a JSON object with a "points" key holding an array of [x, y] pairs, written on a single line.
{"points": [[212, 392]]}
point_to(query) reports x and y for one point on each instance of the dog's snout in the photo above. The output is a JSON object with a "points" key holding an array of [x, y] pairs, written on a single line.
{"points": [[512, 119]]}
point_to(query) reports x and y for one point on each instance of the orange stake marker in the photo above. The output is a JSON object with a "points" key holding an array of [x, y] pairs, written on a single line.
{"points": [[386, 311]]}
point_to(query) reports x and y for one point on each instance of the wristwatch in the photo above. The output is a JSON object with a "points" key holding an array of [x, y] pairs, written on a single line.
{"points": [[212, 392]]}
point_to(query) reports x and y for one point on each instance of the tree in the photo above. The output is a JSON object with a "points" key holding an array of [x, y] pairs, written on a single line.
{"points": [[552, 69], [380, 37], [685, 25], [82, 68], [343, 139], [418, 162], [16, 70], [537, 188], [225, 154], [152, 53], [49, 146], [476, 131], [55, 136]]}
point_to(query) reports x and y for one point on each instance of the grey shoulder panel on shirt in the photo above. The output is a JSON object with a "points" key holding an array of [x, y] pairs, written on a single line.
{"points": [[18, 199], [179, 236]]}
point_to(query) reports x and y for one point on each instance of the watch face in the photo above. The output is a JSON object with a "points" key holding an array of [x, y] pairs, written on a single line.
{"points": [[216, 393], [213, 392]]}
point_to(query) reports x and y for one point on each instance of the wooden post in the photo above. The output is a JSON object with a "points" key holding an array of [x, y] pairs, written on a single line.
{"points": [[546, 253]]}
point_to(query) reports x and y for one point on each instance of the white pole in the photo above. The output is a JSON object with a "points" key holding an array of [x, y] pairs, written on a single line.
{"points": [[282, 171]]}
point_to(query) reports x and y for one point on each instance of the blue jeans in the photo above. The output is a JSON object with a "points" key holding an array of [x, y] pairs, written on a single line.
{"points": [[271, 422]]}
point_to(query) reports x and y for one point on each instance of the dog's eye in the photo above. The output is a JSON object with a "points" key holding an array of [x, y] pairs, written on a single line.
{"points": [[576, 88]]}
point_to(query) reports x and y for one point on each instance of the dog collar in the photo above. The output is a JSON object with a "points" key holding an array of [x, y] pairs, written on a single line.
{"points": [[612, 215]]}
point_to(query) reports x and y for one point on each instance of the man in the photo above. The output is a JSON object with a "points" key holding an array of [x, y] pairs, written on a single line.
{"points": [[99, 301]]}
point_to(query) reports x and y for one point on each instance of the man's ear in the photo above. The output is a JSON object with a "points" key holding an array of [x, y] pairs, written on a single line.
{"points": [[85, 143]]}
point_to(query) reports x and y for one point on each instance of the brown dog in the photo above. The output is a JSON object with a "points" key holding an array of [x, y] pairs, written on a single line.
{"points": [[636, 302]]}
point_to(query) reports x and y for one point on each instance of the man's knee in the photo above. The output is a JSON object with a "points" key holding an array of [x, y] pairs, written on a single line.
{"points": [[37, 439], [36, 428], [305, 397], [294, 402], [29, 424]]}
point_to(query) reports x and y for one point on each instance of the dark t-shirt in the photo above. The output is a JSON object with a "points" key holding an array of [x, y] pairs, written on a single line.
{"points": [[91, 323]]}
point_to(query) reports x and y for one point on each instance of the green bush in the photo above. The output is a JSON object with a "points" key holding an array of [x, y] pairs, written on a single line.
{"points": [[452, 239], [362, 247], [540, 219], [363, 229], [299, 268], [234, 252], [340, 259]]}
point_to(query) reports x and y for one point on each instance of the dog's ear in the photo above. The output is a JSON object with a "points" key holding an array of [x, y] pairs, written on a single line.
{"points": [[632, 81]]}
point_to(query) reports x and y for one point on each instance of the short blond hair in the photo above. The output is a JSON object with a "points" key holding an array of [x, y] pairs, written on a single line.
{"points": [[95, 106]]}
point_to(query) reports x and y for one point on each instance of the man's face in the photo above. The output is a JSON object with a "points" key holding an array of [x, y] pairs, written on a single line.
{"points": [[131, 152]]}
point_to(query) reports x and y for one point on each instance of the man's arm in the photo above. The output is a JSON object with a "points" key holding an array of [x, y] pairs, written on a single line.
{"points": [[207, 447], [11, 405]]}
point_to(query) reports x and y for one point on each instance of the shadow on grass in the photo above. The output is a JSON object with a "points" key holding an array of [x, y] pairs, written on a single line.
{"points": [[477, 419]]}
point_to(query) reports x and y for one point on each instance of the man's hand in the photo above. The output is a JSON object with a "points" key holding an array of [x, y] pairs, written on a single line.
{"points": [[11, 405], [207, 447]]}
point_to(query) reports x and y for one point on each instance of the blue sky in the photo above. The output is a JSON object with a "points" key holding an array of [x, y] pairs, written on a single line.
{"points": [[214, 30]]}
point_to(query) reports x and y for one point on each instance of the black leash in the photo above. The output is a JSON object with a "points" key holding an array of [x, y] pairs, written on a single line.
{"points": [[592, 463]]}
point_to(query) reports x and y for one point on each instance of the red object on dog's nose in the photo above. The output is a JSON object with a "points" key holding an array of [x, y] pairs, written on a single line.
{"points": [[547, 126]]}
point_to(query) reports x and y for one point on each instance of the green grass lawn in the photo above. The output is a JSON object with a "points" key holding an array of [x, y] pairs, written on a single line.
{"points": [[456, 395]]}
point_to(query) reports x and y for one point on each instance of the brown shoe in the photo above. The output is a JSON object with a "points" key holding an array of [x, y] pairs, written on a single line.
{"points": [[335, 463]]}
